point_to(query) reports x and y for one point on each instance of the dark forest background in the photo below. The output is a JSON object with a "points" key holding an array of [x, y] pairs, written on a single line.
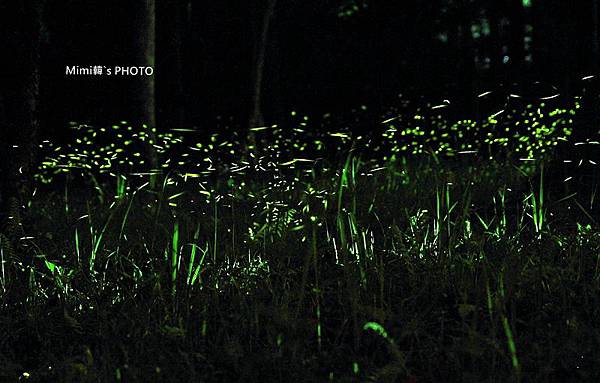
{"points": [[236, 64], [316, 55]]}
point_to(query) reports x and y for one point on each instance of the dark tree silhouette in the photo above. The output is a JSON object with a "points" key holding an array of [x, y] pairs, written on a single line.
{"points": [[145, 55], [256, 115], [21, 98], [20, 128], [595, 34], [144, 102]]}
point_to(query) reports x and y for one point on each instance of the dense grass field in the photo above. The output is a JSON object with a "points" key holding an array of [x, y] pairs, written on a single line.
{"points": [[397, 246]]}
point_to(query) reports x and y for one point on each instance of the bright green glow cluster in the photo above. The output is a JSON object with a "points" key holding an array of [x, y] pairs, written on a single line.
{"points": [[299, 152], [529, 132], [351, 8], [125, 149]]}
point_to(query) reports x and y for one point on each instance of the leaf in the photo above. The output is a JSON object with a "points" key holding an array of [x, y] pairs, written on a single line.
{"points": [[51, 266], [374, 326]]}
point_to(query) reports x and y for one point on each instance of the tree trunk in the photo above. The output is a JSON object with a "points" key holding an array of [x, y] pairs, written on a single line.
{"points": [[256, 116], [144, 108], [180, 27], [595, 36], [146, 53], [21, 120], [21, 127]]}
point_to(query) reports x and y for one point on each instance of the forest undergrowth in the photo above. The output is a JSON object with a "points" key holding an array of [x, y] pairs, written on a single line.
{"points": [[405, 246]]}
